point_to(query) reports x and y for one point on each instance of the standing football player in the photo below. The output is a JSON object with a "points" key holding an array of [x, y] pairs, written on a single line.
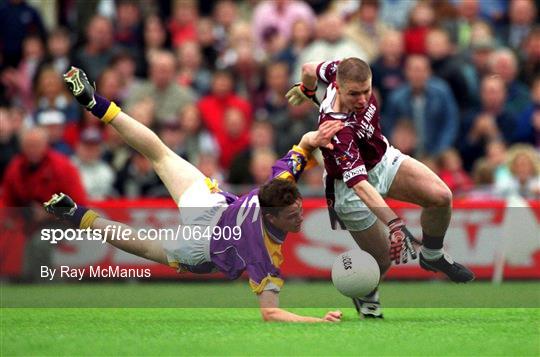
{"points": [[363, 168], [259, 221]]}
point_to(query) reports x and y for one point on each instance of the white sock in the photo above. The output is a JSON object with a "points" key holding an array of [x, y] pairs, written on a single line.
{"points": [[432, 254]]}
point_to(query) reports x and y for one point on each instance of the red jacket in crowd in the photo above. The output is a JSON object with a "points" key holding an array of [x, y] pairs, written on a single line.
{"points": [[24, 184]]}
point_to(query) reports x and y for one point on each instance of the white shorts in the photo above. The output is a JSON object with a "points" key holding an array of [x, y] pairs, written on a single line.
{"points": [[351, 210], [200, 207]]}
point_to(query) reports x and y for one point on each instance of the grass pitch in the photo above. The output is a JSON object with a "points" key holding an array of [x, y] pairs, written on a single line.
{"points": [[417, 323]]}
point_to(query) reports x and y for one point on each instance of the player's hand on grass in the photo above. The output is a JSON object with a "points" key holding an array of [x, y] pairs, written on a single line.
{"points": [[61, 206], [401, 242], [80, 87], [298, 94], [333, 316]]}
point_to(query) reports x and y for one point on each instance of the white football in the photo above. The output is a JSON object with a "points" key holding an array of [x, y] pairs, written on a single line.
{"points": [[355, 273]]}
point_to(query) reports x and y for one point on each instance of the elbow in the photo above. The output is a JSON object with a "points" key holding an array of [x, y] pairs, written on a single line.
{"points": [[309, 69]]}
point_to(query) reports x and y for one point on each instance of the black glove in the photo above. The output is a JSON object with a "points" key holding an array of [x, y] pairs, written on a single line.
{"points": [[80, 87], [61, 206]]}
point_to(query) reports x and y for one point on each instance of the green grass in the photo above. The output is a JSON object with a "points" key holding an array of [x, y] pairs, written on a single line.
{"points": [[160, 330]]}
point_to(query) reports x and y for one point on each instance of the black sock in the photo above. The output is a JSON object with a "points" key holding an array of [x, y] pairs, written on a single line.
{"points": [[432, 242]]}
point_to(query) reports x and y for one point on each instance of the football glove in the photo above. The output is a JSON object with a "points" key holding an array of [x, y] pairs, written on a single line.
{"points": [[86, 95], [80, 87], [401, 242], [299, 94], [61, 206]]}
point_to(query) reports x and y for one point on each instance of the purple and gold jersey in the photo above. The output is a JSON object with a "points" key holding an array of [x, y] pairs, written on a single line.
{"points": [[258, 249], [360, 145]]}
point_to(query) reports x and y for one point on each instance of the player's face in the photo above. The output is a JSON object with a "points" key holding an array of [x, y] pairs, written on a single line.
{"points": [[354, 96], [290, 218]]}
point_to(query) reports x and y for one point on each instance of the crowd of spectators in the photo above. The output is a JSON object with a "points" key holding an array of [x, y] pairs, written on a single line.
{"points": [[458, 82]]}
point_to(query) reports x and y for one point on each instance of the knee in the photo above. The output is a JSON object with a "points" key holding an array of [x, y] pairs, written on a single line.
{"points": [[442, 196]]}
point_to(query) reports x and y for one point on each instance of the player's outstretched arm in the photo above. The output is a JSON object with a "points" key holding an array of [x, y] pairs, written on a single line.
{"points": [[321, 137], [270, 311], [115, 233]]}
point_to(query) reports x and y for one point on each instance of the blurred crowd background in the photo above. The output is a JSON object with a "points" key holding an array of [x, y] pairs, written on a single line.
{"points": [[458, 82]]}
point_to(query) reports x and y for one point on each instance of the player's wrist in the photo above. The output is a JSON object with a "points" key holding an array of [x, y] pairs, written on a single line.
{"points": [[104, 109], [395, 224], [307, 90]]}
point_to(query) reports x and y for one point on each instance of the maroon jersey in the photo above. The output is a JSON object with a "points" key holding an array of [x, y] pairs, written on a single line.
{"points": [[360, 145]]}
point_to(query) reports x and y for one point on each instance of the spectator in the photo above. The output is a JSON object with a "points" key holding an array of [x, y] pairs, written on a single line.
{"points": [[301, 37], [18, 82], [395, 13], [388, 68], [183, 24], [155, 38], [483, 179], [243, 59], [168, 96], [207, 41], [31, 178], [125, 65], [491, 122], [366, 30], [172, 135], [97, 176], [452, 173], [260, 166], [261, 137], [521, 14], [128, 28], [496, 155], [58, 48], [53, 121], [18, 20], [9, 145], [460, 29], [447, 66], [429, 103], [528, 122], [99, 49], [225, 17], [208, 164], [404, 136], [192, 72], [213, 108], [110, 85], [503, 62], [421, 20], [51, 94], [479, 55], [331, 43], [524, 165], [279, 15], [197, 139], [137, 179], [530, 64], [73, 130]]}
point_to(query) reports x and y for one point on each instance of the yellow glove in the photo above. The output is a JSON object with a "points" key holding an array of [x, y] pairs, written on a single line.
{"points": [[299, 94]]}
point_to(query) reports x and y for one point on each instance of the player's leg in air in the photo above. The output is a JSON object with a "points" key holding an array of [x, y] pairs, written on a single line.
{"points": [[178, 175], [416, 183]]}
